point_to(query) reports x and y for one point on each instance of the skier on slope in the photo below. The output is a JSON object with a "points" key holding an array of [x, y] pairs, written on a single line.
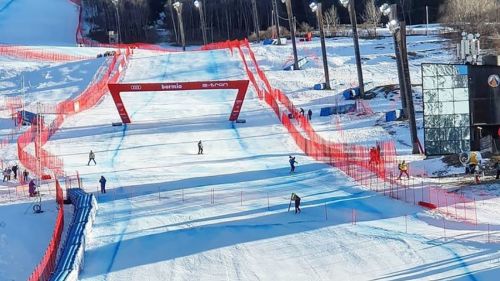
{"points": [[292, 163], [200, 147], [91, 157], [296, 200]]}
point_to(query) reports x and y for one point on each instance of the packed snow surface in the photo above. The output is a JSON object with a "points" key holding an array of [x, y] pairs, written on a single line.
{"points": [[171, 214]]}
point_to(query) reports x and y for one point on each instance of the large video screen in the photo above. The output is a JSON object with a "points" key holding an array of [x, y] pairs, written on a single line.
{"points": [[485, 98], [446, 108]]}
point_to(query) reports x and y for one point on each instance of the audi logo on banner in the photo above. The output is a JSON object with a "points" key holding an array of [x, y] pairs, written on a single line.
{"points": [[135, 87]]}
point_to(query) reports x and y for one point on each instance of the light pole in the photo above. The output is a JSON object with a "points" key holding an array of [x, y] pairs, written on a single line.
{"points": [[119, 36], [316, 8], [292, 32], [349, 4], [255, 20], [198, 5], [277, 20], [387, 10], [398, 28], [178, 7]]}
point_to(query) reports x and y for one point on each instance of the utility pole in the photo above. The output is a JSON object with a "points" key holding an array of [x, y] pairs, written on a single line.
{"points": [[426, 20], [178, 8], [397, 26], [349, 4], [409, 92], [316, 8], [199, 5], [277, 20], [256, 20], [292, 32]]}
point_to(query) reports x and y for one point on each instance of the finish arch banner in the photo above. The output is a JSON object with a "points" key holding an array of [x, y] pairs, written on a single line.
{"points": [[240, 85]]}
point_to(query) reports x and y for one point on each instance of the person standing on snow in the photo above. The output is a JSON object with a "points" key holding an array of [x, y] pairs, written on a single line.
{"points": [[25, 175], [32, 188], [296, 199], [292, 163], [302, 111], [102, 180], [309, 114], [200, 147], [91, 157], [403, 169], [14, 170]]}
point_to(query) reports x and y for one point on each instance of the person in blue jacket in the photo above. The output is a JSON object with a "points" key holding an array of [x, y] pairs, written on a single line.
{"points": [[292, 163], [103, 184]]}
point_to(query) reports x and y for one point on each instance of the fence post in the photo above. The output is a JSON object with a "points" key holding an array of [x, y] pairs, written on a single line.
{"points": [[268, 201], [326, 212], [406, 223], [488, 233], [444, 229]]}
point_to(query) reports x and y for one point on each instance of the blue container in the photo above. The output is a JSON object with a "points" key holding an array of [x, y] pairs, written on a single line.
{"points": [[319, 86], [390, 116]]}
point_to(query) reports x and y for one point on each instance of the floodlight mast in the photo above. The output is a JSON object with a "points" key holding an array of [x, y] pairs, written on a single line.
{"points": [[398, 28], [292, 32], [198, 4], [178, 7], [316, 8], [349, 4]]}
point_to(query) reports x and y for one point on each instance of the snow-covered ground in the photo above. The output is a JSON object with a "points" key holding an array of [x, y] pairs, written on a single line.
{"points": [[171, 214], [23, 238], [158, 222]]}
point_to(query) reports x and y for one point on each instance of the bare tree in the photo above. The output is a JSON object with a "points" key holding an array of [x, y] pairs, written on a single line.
{"points": [[332, 20], [471, 16], [372, 15]]}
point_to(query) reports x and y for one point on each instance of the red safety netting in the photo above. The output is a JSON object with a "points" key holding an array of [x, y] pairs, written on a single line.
{"points": [[374, 167], [27, 53], [47, 265], [39, 132]]}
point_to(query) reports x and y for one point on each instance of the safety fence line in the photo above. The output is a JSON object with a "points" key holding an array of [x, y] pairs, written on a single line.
{"points": [[46, 267], [27, 53], [276, 198], [39, 134], [354, 160]]}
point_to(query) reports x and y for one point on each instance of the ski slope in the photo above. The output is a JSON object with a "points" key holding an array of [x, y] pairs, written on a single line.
{"points": [[171, 214], [38, 22]]}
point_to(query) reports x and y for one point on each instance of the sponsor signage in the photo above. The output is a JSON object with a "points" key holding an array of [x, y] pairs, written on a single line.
{"points": [[240, 85]]}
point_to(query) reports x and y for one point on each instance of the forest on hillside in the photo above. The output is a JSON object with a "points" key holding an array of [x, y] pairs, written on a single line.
{"points": [[140, 20]]}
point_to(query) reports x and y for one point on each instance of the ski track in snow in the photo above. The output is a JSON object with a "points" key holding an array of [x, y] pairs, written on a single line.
{"points": [[145, 231]]}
